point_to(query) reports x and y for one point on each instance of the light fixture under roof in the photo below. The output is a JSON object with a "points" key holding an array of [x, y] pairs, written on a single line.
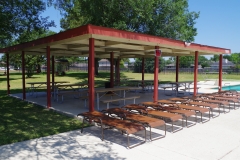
{"points": [[187, 44]]}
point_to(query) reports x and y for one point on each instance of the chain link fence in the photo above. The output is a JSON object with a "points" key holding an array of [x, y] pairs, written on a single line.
{"points": [[166, 68]]}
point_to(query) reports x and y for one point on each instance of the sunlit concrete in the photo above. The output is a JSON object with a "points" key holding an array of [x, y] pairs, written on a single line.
{"points": [[217, 139]]}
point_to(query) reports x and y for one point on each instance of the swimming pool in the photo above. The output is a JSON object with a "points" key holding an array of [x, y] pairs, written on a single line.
{"points": [[234, 87]]}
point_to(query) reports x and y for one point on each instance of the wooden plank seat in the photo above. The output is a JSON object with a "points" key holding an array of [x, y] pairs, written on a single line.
{"points": [[119, 99], [32, 90], [188, 89], [106, 122], [211, 106], [167, 87], [228, 99], [144, 120], [156, 114], [210, 99], [178, 100], [227, 96], [197, 102], [229, 92], [196, 109], [172, 109], [62, 94]]}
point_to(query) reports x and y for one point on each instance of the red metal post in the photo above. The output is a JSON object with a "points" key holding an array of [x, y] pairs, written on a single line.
{"points": [[91, 69], [23, 76], [220, 73], [143, 64], [8, 81], [48, 78], [118, 71], [88, 69], [177, 68], [53, 72], [111, 72], [195, 73], [155, 92]]}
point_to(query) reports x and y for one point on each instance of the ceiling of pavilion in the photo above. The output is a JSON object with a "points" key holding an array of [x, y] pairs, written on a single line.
{"points": [[123, 44]]}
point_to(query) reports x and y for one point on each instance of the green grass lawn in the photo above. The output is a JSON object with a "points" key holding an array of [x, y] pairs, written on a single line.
{"points": [[21, 121]]}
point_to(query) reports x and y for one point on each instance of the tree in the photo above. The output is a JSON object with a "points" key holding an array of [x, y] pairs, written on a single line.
{"points": [[165, 18], [215, 58], [21, 16], [32, 62], [228, 57], [148, 65], [21, 22], [186, 61], [235, 58], [203, 61]]}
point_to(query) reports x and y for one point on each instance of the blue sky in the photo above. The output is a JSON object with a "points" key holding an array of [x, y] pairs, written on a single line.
{"points": [[218, 24]]}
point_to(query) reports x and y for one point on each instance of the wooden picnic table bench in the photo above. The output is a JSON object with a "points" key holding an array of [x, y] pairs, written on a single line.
{"points": [[120, 99]]}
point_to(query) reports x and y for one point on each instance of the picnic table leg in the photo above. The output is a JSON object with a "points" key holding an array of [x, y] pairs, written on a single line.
{"points": [[98, 101], [124, 96]]}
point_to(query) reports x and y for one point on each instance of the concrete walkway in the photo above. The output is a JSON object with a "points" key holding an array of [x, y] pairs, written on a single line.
{"points": [[217, 139], [214, 140]]}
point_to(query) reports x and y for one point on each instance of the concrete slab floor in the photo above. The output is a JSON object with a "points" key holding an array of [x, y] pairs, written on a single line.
{"points": [[214, 140]]}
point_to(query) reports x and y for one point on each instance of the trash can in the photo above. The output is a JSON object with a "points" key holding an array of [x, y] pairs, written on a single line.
{"points": [[107, 84]]}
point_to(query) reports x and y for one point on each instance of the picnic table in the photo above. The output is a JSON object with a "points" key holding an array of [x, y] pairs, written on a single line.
{"points": [[76, 87], [37, 85], [176, 85], [104, 91], [144, 84]]}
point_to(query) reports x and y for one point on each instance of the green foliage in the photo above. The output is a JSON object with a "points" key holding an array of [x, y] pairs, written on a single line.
{"points": [[166, 18], [235, 58], [148, 65], [21, 22], [215, 58], [203, 61], [32, 62], [19, 17], [186, 61]]}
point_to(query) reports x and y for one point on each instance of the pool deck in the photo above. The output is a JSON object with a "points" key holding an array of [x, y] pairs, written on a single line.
{"points": [[217, 139]]}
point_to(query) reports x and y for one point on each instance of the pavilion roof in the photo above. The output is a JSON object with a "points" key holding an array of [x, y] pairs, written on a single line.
{"points": [[124, 44]]}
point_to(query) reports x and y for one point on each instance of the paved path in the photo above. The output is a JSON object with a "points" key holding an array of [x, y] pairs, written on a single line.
{"points": [[218, 139]]}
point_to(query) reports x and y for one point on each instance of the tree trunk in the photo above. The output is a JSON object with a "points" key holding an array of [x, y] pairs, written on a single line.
{"points": [[39, 68]]}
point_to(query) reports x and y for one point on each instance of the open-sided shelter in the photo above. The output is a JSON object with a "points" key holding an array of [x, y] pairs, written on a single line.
{"points": [[95, 41]]}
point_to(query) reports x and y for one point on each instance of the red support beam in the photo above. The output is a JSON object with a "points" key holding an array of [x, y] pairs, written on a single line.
{"points": [[23, 76], [220, 73], [48, 78], [112, 70], [195, 73], [53, 72], [91, 69], [8, 80], [177, 68], [156, 69], [143, 64], [88, 69], [118, 71]]}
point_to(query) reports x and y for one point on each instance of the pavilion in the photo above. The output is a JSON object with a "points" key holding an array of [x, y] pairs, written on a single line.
{"points": [[101, 42]]}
